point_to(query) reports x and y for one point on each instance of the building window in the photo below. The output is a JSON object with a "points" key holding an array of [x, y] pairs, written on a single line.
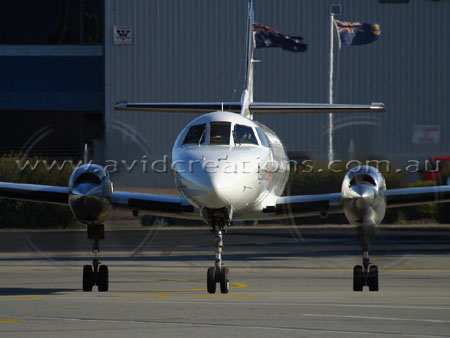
{"points": [[51, 22]]}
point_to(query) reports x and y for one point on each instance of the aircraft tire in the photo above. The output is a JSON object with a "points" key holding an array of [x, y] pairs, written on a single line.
{"points": [[211, 280], [373, 278], [358, 278], [224, 280], [88, 278], [103, 278]]}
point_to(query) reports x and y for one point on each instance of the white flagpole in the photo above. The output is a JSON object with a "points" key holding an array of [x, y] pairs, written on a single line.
{"points": [[330, 98]]}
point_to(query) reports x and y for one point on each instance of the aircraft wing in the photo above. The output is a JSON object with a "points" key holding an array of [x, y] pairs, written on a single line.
{"points": [[415, 196], [323, 204], [158, 205], [305, 205], [35, 193], [177, 206]]}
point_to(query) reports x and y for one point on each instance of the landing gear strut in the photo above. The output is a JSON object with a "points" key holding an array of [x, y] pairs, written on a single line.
{"points": [[95, 274], [367, 274], [218, 273]]}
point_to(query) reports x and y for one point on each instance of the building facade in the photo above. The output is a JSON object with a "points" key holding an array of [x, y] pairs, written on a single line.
{"points": [[61, 77], [51, 76], [195, 51]]}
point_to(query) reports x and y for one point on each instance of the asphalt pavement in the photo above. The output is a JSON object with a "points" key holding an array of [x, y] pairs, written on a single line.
{"points": [[285, 282]]}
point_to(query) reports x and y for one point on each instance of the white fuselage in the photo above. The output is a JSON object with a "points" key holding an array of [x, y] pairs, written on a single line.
{"points": [[224, 160]]}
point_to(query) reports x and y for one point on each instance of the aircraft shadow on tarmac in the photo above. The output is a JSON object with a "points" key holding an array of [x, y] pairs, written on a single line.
{"points": [[31, 291]]}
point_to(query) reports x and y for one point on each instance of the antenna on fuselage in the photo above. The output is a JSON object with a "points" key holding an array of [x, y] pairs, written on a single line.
{"points": [[86, 154], [247, 94]]}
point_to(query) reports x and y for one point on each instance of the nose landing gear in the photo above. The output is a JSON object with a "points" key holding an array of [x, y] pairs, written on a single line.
{"points": [[218, 274], [95, 274], [365, 275]]}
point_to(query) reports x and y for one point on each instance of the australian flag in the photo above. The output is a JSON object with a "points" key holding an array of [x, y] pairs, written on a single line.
{"points": [[266, 37], [356, 33]]}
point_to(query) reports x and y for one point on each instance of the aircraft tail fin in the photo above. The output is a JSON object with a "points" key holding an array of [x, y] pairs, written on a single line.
{"points": [[247, 94]]}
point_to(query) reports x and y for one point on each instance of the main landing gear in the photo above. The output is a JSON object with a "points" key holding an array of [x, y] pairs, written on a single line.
{"points": [[367, 274], [218, 274], [95, 274]]}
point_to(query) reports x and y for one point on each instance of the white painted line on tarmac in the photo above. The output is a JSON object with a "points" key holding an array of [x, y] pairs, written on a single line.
{"points": [[221, 326], [223, 301], [378, 318]]}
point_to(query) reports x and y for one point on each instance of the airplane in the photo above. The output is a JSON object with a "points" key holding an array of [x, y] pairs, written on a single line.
{"points": [[229, 167]]}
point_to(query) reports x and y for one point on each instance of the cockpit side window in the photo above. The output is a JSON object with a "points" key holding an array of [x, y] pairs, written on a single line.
{"points": [[196, 134], [244, 135], [262, 138], [220, 133]]}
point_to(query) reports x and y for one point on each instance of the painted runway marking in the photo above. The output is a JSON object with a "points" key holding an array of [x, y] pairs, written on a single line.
{"points": [[233, 285], [223, 301], [137, 297], [22, 297], [228, 296], [376, 306], [221, 326], [11, 320], [170, 280], [379, 318]]}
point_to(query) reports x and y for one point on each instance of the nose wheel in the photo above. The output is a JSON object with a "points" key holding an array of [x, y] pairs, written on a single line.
{"points": [[96, 274], [218, 274], [363, 278], [215, 276], [90, 278]]}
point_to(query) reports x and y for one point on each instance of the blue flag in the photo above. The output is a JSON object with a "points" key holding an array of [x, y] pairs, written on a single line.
{"points": [[356, 33], [266, 37]]}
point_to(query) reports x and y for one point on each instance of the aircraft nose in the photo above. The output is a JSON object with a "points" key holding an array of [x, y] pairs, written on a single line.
{"points": [[221, 189], [219, 181], [217, 190]]}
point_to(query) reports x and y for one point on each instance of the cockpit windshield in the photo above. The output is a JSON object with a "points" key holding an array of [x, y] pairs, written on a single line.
{"points": [[196, 134], [220, 133], [244, 135]]}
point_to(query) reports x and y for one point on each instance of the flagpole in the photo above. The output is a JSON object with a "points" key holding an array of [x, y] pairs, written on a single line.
{"points": [[330, 93]]}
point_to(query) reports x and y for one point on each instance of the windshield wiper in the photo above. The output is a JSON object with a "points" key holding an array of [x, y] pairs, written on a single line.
{"points": [[201, 137]]}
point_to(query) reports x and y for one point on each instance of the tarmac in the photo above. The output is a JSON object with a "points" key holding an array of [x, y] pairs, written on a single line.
{"points": [[285, 282]]}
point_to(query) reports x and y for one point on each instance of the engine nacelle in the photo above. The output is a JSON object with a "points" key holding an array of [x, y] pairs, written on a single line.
{"points": [[363, 195], [90, 192]]}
